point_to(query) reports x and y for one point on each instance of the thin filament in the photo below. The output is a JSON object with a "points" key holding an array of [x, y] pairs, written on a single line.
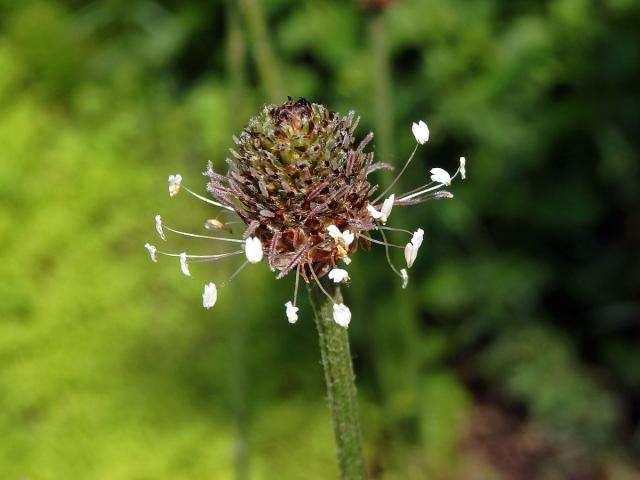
{"points": [[235, 274], [379, 197], [373, 240], [205, 199], [320, 285], [386, 251], [208, 237]]}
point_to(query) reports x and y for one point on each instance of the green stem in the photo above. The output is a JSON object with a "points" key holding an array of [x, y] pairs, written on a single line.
{"points": [[262, 50], [340, 380], [236, 58], [381, 90]]}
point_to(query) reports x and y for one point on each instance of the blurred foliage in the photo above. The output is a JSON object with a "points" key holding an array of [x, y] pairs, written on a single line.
{"points": [[526, 295]]}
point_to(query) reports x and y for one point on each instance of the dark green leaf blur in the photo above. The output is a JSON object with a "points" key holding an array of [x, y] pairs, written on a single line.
{"points": [[513, 354]]}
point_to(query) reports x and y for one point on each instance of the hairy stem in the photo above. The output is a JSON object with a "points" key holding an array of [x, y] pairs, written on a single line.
{"points": [[340, 380]]}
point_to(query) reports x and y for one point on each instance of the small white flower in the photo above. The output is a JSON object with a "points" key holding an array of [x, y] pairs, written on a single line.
{"points": [[410, 254], [346, 237], [152, 251], [253, 249], [421, 132], [346, 260], [338, 275], [405, 277], [183, 264], [174, 184], [416, 239], [210, 295], [463, 171], [385, 211], [292, 312], [341, 314], [159, 227], [440, 175]]}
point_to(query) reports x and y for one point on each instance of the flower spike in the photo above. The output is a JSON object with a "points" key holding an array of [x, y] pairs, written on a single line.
{"points": [[299, 181]]}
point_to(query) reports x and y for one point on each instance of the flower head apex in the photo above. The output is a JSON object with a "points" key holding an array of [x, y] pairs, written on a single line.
{"points": [[152, 251], [210, 295], [421, 132], [253, 250], [292, 312], [159, 227], [341, 314], [345, 238], [463, 170], [385, 211], [184, 266], [440, 175], [174, 184], [405, 277], [338, 275]]}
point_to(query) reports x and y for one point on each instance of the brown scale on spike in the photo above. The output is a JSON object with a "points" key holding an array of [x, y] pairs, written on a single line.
{"points": [[294, 171]]}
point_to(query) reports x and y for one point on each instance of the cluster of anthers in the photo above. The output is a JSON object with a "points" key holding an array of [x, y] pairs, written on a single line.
{"points": [[299, 184]]}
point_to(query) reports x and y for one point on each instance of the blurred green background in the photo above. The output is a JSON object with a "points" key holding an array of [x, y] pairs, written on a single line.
{"points": [[513, 354]]}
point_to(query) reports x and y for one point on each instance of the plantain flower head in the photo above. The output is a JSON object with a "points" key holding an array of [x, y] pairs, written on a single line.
{"points": [[298, 181]]}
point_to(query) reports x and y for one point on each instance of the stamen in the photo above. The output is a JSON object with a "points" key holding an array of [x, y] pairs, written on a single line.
{"points": [[393, 229], [206, 257], [426, 185], [386, 251], [373, 240], [194, 235], [235, 274], [379, 197], [205, 199], [319, 284], [295, 292], [413, 195]]}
